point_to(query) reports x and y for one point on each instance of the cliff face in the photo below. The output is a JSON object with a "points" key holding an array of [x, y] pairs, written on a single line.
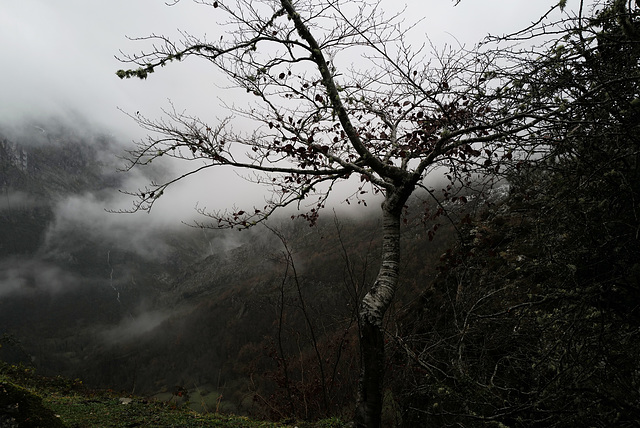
{"points": [[13, 156], [14, 164], [55, 161], [39, 167]]}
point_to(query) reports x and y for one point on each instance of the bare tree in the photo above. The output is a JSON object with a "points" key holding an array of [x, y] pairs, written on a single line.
{"points": [[388, 119]]}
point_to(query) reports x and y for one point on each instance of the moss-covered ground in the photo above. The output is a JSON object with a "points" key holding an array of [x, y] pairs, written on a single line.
{"points": [[30, 400]]}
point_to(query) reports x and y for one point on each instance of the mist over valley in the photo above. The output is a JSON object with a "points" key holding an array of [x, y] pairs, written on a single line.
{"points": [[143, 302]]}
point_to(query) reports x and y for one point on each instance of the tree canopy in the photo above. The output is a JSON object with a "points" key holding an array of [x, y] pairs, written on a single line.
{"points": [[388, 118]]}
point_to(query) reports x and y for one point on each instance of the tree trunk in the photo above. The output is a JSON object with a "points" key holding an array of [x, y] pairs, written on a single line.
{"points": [[373, 308]]}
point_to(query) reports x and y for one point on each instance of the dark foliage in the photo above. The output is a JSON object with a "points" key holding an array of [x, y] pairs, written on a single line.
{"points": [[534, 320]]}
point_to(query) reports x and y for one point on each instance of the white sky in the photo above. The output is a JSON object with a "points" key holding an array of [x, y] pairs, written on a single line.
{"points": [[58, 56]]}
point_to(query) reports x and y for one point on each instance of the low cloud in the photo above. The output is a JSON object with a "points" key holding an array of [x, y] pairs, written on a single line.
{"points": [[135, 326], [20, 276], [85, 216], [18, 201]]}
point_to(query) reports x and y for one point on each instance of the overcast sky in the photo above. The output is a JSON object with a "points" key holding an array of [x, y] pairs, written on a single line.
{"points": [[59, 56]]}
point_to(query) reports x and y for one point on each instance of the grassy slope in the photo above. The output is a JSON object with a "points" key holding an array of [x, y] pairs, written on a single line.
{"points": [[32, 401]]}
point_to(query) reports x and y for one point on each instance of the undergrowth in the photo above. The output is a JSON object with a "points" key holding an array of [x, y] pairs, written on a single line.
{"points": [[30, 400]]}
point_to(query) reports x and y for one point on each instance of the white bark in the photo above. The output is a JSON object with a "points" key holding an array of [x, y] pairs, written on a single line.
{"points": [[372, 311]]}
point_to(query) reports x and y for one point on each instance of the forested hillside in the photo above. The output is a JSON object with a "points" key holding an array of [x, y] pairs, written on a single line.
{"points": [[212, 311]]}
